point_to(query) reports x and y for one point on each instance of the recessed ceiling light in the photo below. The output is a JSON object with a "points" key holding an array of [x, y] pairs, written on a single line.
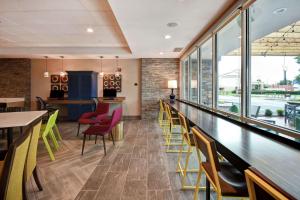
{"points": [[161, 53], [279, 11], [239, 37], [172, 24], [168, 37], [90, 30]]}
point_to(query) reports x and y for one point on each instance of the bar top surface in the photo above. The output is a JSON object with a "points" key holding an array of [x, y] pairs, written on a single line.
{"points": [[278, 161]]}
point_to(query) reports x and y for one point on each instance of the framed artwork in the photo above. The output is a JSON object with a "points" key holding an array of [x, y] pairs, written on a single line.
{"points": [[110, 81], [64, 87], [55, 87], [55, 78], [64, 79]]}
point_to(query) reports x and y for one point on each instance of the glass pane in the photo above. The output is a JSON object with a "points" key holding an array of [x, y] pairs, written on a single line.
{"points": [[229, 66], [275, 62], [186, 79], [206, 73], [194, 77]]}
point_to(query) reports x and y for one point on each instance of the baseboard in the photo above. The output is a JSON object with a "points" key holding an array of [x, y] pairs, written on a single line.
{"points": [[138, 117]]}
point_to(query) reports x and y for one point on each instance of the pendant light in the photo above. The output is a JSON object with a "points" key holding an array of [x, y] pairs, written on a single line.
{"points": [[101, 74], [62, 73], [119, 69], [46, 73]]}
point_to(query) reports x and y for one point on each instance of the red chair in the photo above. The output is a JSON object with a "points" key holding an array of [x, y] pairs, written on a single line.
{"points": [[103, 128], [94, 117]]}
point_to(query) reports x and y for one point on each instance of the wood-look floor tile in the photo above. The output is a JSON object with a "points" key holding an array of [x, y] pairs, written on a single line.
{"points": [[158, 178], [134, 190], [86, 195], [137, 169], [96, 178], [160, 195], [139, 151], [112, 187], [126, 148], [121, 163]]}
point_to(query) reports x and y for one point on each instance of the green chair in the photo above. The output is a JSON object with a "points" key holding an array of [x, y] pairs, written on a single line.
{"points": [[47, 130], [55, 126]]}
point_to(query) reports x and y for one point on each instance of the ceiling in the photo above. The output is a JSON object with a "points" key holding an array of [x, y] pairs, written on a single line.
{"points": [[130, 29]]}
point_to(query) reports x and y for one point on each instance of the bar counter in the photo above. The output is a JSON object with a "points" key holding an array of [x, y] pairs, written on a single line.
{"points": [[244, 147]]}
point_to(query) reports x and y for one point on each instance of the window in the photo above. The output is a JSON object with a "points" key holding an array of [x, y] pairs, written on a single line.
{"points": [[274, 83], [185, 79], [194, 77], [229, 66], [206, 73]]}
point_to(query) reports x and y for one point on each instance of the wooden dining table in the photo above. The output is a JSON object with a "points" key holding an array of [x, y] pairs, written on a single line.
{"points": [[244, 146], [10, 120]]}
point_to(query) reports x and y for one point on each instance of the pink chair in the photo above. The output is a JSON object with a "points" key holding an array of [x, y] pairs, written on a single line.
{"points": [[103, 128], [101, 113]]}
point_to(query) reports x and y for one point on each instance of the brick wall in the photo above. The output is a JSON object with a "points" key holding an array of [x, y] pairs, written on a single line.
{"points": [[15, 76], [155, 75]]}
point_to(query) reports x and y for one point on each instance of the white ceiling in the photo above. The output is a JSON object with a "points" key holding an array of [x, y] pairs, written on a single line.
{"points": [[35, 28], [144, 23]]}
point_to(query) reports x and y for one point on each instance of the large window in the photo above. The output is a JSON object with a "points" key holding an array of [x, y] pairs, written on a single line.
{"points": [[274, 37], [206, 73], [229, 66], [194, 77], [185, 79]]}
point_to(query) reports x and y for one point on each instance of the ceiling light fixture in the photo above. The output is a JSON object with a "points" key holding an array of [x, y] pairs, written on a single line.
{"points": [[118, 68], [279, 11], [46, 73], [172, 24], [168, 37], [161, 53], [62, 73], [101, 72], [90, 30]]}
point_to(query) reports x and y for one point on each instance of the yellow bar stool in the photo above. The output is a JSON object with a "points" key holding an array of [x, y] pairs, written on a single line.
{"points": [[187, 138], [163, 122], [172, 138]]}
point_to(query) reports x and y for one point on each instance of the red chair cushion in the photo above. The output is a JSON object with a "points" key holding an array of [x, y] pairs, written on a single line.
{"points": [[97, 130]]}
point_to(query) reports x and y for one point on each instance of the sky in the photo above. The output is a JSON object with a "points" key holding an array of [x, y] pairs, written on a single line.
{"points": [[268, 69]]}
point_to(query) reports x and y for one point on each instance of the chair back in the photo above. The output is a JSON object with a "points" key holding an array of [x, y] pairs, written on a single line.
{"points": [[42, 103], [260, 187], [185, 128], [55, 117], [161, 106], [102, 108], [13, 171], [116, 118], [49, 125], [168, 111], [207, 147], [32, 151]]}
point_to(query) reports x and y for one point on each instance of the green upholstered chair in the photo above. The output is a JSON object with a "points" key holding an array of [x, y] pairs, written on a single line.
{"points": [[30, 166], [12, 174], [47, 130]]}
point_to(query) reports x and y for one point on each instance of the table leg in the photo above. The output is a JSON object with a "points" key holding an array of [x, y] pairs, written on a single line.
{"points": [[207, 189], [9, 137]]}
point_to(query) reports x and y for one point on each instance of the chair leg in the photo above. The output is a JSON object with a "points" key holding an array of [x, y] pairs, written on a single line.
{"points": [[48, 148], [112, 137], [57, 132], [104, 145], [37, 180], [84, 136], [24, 191], [53, 138], [78, 129], [95, 139]]}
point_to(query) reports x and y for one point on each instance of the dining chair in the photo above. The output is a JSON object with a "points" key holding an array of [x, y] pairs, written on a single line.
{"points": [[261, 187], [172, 138], [226, 180], [100, 113], [47, 130], [12, 173], [31, 163], [103, 129], [43, 105], [187, 139], [161, 114], [55, 127]]}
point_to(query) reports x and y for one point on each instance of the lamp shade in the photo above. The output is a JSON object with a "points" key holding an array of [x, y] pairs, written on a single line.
{"points": [[172, 84], [194, 83]]}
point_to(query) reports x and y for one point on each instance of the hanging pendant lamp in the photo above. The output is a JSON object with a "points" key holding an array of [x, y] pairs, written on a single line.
{"points": [[46, 73]]}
